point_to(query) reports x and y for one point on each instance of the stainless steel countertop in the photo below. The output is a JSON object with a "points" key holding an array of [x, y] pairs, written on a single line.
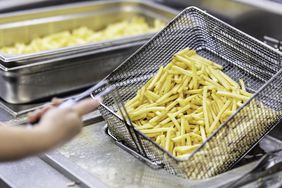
{"points": [[32, 172], [98, 162], [95, 152], [95, 157]]}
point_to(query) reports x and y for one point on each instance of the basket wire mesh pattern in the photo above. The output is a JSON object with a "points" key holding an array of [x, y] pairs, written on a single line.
{"points": [[241, 56]]}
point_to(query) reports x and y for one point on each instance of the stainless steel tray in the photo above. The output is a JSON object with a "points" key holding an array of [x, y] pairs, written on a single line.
{"points": [[38, 81], [32, 77], [26, 25]]}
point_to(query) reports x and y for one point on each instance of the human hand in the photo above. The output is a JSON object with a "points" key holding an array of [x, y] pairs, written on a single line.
{"points": [[36, 115], [61, 124], [56, 126]]}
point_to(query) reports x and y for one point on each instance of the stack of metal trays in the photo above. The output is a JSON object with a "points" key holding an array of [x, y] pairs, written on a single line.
{"points": [[29, 77]]}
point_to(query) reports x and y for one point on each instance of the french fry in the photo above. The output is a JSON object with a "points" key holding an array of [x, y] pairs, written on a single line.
{"points": [[229, 80], [155, 130], [175, 122], [203, 133], [168, 140], [211, 129], [186, 149], [242, 84], [232, 95], [205, 109], [155, 79]]}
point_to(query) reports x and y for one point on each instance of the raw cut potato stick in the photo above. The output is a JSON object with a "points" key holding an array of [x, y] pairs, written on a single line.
{"points": [[242, 85], [205, 108], [185, 102], [232, 95]]}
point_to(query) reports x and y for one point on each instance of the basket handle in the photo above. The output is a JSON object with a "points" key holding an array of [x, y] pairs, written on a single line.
{"points": [[127, 122], [154, 165]]}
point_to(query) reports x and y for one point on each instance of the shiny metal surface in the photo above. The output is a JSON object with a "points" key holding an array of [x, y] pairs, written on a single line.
{"points": [[242, 57], [27, 25], [80, 176], [67, 173], [17, 110], [95, 152], [45, 74], [44, 80], [258, 18], [261, 19], [32, 172]]}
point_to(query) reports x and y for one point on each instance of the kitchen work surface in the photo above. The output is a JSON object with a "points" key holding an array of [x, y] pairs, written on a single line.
{"points": [[92, 159], [38, 75], [95, 152], [23, 172]]}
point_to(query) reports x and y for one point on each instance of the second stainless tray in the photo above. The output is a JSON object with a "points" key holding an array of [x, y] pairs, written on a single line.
{"points": [[27, 25], [45, 80], [30, 77]]}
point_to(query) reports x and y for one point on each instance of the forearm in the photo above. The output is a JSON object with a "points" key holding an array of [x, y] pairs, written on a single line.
{"points": [[56, 127], [18, 142]]}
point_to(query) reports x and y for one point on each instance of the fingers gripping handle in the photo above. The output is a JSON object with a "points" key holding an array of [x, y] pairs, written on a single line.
{"points": [[88, 93]]}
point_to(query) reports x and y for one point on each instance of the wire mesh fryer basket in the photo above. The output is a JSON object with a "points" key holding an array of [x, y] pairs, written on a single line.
{"points": [[241, 56]]}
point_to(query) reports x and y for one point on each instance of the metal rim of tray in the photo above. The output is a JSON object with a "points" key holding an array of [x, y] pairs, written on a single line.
{"points": [[71, 56]]}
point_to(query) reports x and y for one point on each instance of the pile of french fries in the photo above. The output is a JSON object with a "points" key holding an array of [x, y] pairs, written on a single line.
{"points": [[232, 141], [134, 26], [185, 102]]}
